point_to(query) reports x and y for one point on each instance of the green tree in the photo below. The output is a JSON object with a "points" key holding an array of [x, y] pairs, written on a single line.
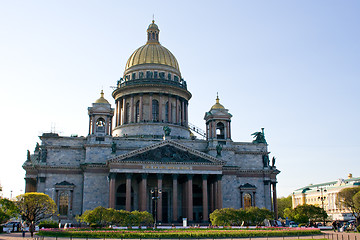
{"points": [[305, 213], [283, 203], [99, 216], [34, 207], [102, 217], [141, 218], [350, 199], [257, 215], [8, 209], [225, 217], [236, 217]]}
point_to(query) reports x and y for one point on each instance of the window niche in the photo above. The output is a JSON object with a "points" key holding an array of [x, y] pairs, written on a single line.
{"points": [[247, 196], [100, 124], [64, 198]]}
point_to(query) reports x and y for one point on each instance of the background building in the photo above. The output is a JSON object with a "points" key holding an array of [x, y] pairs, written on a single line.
{"points": [[145, 145], [324, 195]]}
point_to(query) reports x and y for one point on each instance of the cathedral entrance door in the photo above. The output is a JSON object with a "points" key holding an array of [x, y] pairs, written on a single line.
{"points": [[165, 207]]}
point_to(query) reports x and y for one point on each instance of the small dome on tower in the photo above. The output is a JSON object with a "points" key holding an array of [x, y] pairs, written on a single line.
{"points": [[217, 105], [102, 99], [153, 25]]}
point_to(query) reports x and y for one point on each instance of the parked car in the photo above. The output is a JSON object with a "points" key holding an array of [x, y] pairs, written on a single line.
{"points": [[11, 226], [293, 224]]}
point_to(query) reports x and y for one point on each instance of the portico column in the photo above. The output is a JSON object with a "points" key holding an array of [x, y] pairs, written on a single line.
{"points": [[275, 200], [141, 108], [205, 198], [189, 197], [159, 201], [112, 178], [175, 197], [212, 208], [128, 192], [143, 194], [219, 192]]}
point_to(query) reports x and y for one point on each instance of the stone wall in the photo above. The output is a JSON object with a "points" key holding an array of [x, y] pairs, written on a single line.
{"points": [[96, 190]]}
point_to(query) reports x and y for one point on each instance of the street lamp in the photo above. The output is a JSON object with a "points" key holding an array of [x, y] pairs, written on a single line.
{"points": [[155, 195], [322, 198]]}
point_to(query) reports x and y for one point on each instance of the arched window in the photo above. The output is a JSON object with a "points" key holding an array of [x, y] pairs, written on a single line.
{"points": [[247, 200], [167, 112], [153, 36], [137, 111], [127, 113], [155, 110], [220, 131], [63, 203], [100, 125]]}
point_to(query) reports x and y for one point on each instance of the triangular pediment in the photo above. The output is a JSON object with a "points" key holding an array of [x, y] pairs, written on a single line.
{"points": [[167, 152]]}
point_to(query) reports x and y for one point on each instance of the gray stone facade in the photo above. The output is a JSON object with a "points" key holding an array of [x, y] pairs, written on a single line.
{"points": [[126, 155]]}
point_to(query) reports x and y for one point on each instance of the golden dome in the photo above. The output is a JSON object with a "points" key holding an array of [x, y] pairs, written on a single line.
{"points": [[101, 99], [217, 105], [152, 52]]}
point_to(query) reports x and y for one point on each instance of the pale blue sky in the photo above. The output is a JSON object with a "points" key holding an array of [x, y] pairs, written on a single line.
{"points": [[291, 67]]}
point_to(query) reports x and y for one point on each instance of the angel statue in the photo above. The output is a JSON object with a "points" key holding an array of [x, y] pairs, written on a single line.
{"points": [[259, 137]]}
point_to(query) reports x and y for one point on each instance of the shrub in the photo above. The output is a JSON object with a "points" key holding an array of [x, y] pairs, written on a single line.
{"points": [[101, 217], [236, 217], [48, 224]]}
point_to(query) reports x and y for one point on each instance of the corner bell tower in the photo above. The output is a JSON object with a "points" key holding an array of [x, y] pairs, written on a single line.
{"points": [[218, 121], [100, 118]]}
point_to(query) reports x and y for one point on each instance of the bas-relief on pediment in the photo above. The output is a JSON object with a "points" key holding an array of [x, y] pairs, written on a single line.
{"points": [[167, 154]]}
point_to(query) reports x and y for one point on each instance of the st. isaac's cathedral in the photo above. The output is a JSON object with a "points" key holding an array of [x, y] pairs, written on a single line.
{"points": [[144, 151]]}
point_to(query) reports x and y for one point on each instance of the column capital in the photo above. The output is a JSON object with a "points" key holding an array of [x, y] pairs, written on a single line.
{"points": [[128, 175], [189, 176], [218, 177], [175, 176], [160, 175], [112, 176], [144, 175], [204, 176]]}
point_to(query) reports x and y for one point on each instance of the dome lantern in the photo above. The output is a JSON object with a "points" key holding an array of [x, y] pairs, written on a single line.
{"points": [[153, 33]]}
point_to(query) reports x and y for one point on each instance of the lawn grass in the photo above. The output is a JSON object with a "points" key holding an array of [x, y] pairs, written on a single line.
{"points": [[178, 233]]}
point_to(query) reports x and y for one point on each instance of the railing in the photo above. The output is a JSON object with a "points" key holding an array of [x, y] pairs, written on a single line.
{"points": [[197, 130], [180, 83]]}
